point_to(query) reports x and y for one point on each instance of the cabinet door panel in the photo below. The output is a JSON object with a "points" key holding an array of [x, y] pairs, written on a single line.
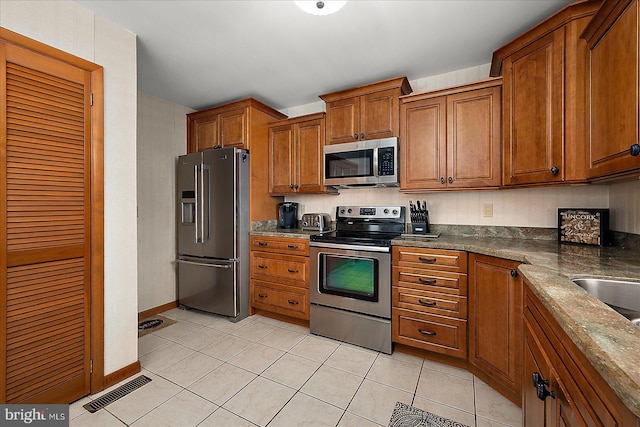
{"points": [[614, 97], [281, 170], [343, 120], [423, 144], [234, 128], [534, 410], [379, 115], [310, 139], [205, 133], [473, 138], [533, 112], [495, 304]]}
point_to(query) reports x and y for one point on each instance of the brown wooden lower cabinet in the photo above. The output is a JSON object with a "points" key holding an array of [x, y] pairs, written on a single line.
{"points": [[280, 276], [429, 300], [495, 323], [560, 386]]}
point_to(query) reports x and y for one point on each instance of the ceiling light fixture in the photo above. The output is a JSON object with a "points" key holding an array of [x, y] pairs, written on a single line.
{"points": [[320, 8]]}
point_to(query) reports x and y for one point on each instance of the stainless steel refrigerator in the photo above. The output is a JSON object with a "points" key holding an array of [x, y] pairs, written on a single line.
{"points": [[213, 232]]}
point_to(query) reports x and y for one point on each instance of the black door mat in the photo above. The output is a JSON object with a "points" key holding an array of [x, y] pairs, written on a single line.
{"points": [[116, 394], [152, 324], [407, 416]]}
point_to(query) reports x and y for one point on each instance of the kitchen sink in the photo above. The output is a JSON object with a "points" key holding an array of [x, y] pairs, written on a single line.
{"points": [[622, 296]]}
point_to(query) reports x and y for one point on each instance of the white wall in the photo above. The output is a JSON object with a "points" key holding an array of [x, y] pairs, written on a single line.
{"points": [[533, 207], [162, 135], [624, 202], [74, 29]]}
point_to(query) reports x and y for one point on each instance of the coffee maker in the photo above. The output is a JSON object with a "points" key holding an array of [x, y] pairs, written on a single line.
{"points": [[288, 215]]}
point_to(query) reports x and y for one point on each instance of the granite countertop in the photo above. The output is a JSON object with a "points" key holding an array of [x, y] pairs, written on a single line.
{"points": [[294, 233], [609, 341]]}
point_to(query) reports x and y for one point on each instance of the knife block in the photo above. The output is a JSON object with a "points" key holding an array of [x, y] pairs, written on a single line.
{"points": [[421, 227]]}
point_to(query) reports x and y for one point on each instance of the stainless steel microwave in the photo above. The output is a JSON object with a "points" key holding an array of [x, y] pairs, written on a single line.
{"points": [[372, 163]]}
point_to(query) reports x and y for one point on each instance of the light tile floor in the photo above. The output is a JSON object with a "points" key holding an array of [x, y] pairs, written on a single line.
{"points": [[207, 372]]}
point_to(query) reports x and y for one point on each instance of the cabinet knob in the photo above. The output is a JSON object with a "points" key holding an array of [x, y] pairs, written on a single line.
{"points": [[442, 180], [450, 180], [362, 136], [355, 136], [634, 150], [514, 273], [296, 186], [554, 170], [290, 185]]}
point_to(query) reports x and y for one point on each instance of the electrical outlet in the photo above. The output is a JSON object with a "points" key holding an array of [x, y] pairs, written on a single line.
{"points": [[487, 210]]}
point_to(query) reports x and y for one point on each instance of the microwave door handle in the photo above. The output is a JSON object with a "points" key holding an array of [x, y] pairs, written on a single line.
{"points": [[375, 162], [196, 177]]}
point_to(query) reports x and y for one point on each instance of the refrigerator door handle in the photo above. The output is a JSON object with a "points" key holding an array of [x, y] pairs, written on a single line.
{"points": [[204, 264], [206, 200], [198, 201]]}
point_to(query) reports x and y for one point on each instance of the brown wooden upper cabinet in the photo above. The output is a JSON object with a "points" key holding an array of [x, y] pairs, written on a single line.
{"points": [[612, 135], [228, 125], [365, 112], [295, 155], [543, 103], [450, 139]]}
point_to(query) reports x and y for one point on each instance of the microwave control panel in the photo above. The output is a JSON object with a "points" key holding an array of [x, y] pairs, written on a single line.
{"points": [[386, 161]]}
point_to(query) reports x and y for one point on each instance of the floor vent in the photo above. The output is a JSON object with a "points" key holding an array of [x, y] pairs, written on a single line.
{"points": [[116, 394]]}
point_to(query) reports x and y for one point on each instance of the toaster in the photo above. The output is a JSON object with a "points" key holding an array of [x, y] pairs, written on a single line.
{"points": [[316, 221]]}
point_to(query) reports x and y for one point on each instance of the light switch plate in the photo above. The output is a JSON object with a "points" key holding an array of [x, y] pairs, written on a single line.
{"points": [[487, 210]]}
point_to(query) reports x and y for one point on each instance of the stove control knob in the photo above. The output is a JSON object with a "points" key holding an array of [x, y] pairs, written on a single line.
{"points": [[386, 211], [341, 211], [304, 223], [350, 210], [395, 211]]}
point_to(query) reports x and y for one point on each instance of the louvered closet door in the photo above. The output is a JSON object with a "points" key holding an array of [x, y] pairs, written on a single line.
{"points": [[44, 186]]}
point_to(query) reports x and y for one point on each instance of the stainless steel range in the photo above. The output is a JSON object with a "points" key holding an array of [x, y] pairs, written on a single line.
{"points": [[351, 276]]}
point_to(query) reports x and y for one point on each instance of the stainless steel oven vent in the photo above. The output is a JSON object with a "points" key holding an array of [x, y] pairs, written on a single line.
{"points": [[116, 394]]}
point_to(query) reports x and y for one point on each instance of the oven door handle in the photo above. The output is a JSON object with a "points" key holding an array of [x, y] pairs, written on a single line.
{"points": [[350, 247]]}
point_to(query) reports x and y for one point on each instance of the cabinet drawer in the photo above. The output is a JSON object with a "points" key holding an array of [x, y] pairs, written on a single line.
{"points": [[435, 259], [289, 269], [430, 302], [284, 300], [439, 334], [430, 280], [281, 245]]}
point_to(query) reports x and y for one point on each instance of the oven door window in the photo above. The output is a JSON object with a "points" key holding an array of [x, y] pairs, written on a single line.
{"points": [[349, 276], [349, 164]]}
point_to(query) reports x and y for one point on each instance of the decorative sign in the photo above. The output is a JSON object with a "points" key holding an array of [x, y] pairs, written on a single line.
{"points": [[584, 226]]}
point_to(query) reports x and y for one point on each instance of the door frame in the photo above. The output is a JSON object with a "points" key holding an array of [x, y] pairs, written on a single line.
{"points": [[96, 194]]}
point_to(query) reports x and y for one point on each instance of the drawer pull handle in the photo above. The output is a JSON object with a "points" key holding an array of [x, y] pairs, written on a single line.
{"points": [[427, 260], [427, 281], [427, 303], [262, 266], [429, 333], [292, 302], [292, 246], [292, 271], [263, 244], [263, 295]]}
